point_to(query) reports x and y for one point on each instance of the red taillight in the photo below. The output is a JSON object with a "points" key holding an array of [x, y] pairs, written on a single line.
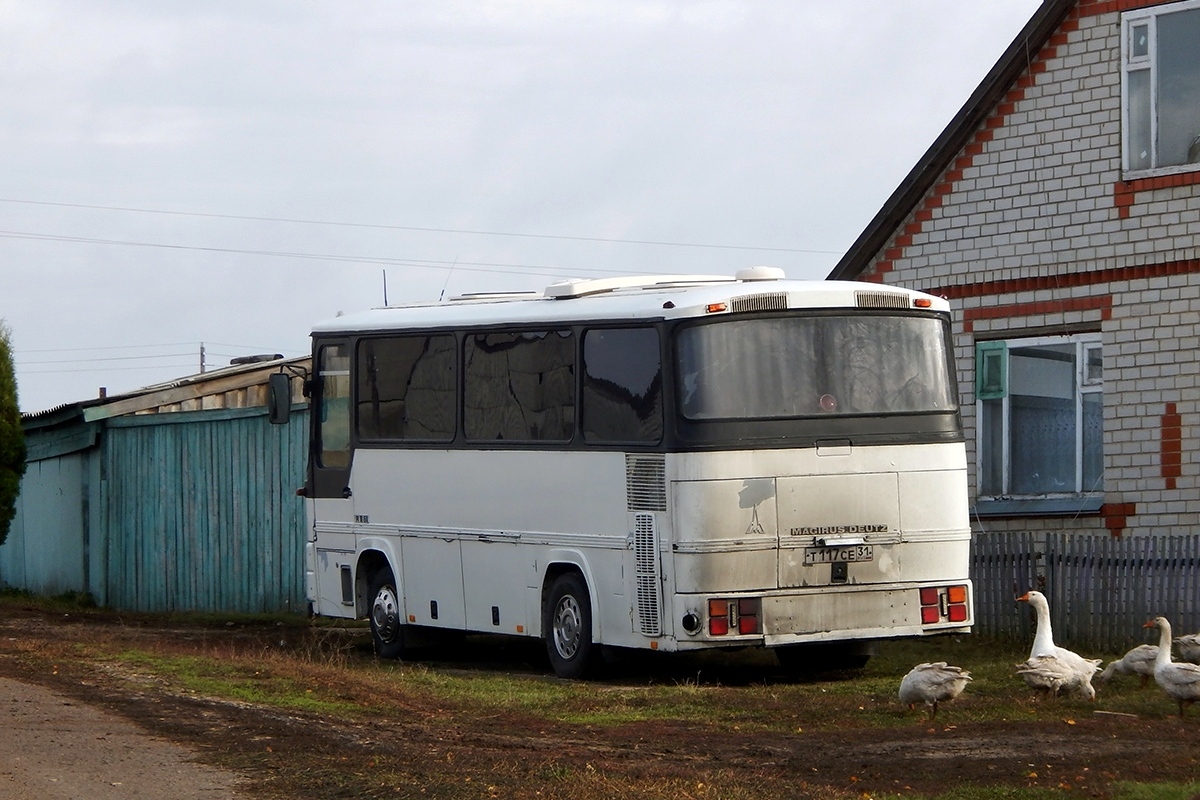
{"points": [[748, 616], [944, 604], [739, 616]]}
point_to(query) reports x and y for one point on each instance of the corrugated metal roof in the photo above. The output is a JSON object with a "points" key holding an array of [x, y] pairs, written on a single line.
{"points": [[92, 409]]}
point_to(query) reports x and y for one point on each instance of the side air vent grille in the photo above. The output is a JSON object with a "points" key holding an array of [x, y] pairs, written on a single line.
{"points": [[770, 301], [645, 547], [646, 481], [881, 300]]}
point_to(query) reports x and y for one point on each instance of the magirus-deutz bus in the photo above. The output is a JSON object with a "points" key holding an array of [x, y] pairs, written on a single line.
{"points": [[668, 463]]}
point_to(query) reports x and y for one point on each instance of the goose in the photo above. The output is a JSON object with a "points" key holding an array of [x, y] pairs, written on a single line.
{"points": [[1180, 680], [1138, 661], [931, 684], [1189, 647], [1068, 671], [1055, 675]]}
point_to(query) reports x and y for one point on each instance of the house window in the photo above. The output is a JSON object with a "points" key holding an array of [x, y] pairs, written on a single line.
{"points": [[1161, 66], [1041, 417]]}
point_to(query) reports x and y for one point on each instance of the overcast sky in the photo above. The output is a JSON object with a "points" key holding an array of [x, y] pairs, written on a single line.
{"points": [[225, 174]]}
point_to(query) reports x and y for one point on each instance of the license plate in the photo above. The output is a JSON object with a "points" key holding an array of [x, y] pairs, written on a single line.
{"points": [[833, 555]]}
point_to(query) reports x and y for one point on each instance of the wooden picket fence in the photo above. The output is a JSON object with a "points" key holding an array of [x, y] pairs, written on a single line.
{"points": [[1101, 589]]}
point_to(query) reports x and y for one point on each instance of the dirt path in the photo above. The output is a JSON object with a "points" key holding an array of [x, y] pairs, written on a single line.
{"points": [[55, 748], [73, 731]]}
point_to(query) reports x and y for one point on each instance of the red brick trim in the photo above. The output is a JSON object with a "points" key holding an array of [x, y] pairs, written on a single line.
{"points": [[1091, 8], [1116, 517], [1171, 453], [1124, 192], [1068, 280], [997, 119], [1103, 303]]}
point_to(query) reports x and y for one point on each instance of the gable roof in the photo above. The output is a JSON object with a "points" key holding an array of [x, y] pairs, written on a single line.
{"points": [[941, 154]]}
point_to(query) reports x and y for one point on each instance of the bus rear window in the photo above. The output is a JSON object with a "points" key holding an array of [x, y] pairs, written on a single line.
{"points": [[827, 365]]}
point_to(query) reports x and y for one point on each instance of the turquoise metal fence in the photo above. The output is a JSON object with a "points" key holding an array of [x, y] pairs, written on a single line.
{"points": [[201, 514]]}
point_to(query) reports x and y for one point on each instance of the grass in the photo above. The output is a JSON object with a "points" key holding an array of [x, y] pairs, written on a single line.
{"points": [[295, 665]]}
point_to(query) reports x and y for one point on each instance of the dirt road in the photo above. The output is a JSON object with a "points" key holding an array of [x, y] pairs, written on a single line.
{"points": [[417, 742], [55, 748]]}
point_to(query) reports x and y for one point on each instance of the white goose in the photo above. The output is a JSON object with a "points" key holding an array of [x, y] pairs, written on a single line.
{"points": [[1189, 647], [1180, 680], [1051, 667], [1138, 661], [1054, 675], [932, 684]]}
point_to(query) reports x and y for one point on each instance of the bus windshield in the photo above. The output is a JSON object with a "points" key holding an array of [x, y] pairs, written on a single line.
{"points": [[814, 366]]}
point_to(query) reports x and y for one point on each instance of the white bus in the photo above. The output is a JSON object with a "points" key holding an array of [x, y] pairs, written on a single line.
{"points": [[670, 463]]}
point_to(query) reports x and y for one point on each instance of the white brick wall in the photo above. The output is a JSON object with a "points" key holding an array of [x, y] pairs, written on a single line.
{"points": [[1038, 201]]}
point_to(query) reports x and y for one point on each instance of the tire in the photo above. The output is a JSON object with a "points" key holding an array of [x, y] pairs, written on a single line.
{"points": [[567, 625], [387, 626]]}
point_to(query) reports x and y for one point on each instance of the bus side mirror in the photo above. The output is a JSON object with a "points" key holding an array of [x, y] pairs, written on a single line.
{"points": [[279, 398]]}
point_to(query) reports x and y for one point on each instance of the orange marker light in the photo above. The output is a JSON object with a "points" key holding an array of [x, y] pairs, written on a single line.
{"points": [[713, 308], [922, 302]]}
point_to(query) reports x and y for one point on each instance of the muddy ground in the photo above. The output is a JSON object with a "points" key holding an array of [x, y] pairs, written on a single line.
{"points": [[429, 749]]}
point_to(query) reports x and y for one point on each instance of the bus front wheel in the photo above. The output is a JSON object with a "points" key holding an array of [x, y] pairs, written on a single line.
{"points": [[567, 624], [387, 629]]}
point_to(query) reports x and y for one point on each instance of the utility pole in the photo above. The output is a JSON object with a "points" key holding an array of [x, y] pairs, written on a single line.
{"points": [[202, 358]]}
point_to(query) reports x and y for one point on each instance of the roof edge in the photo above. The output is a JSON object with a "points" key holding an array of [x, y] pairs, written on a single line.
{"points": [[1015, 59]]}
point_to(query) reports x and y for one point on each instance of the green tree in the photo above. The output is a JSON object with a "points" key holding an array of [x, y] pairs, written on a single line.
{"points": [[12, 436]]}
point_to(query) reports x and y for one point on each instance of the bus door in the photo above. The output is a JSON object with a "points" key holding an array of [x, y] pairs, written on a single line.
{"points": [[331, 540]]}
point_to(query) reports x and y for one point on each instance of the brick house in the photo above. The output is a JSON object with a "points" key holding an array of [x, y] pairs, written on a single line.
{"points": [[1059, 211]]}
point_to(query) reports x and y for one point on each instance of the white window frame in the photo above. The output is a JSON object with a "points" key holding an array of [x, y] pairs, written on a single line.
{"points": [[1130, 64], [1085, 384]]}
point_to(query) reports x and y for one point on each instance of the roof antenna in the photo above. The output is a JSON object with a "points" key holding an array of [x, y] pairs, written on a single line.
{"points": [[449, 272], [385, 288]]}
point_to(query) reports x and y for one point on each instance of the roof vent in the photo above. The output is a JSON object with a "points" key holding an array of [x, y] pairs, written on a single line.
{"points": [[880, 300], [760, 274], [767, 301]]}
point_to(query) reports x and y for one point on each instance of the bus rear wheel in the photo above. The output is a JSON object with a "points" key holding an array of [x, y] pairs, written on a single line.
{"points": [[567, 624], [387, 628]]}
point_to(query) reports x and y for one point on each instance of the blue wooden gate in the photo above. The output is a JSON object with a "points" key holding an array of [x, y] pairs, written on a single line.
{"points": [[200, 512]]}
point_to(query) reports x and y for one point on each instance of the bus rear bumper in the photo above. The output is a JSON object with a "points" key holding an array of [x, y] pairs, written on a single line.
{"points": [[828, 614]]}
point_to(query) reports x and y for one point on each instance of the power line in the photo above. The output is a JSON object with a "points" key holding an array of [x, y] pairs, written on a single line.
{"points": [[487, 267], [421, 229], [143, 346], [92, 359], [189, 365], [114, 347]]}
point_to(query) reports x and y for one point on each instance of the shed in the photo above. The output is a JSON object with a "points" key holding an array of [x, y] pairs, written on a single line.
{"points": [[1058, 211], [175, 497]]}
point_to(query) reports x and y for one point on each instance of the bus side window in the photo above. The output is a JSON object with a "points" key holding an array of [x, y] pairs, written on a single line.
{"points": [[622, 386], [333, 398]]}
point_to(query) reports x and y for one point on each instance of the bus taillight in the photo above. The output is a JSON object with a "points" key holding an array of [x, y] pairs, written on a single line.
{"points": [[718, 617], [748, 616], [943, 604], [739, 616]]}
